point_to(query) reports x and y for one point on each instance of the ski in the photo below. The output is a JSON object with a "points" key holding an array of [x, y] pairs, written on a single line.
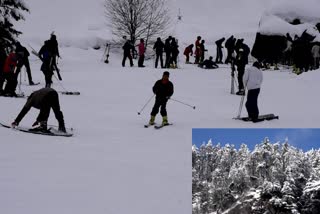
{"points": [[161, 126], [260, 118], [70, 93], [10, 96], [52, 131], [34, 84], [148, 125]]}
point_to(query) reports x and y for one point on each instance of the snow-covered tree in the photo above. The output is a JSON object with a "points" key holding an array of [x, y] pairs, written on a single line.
{"points": [[271, 179], [10, 12], [145, 19]]}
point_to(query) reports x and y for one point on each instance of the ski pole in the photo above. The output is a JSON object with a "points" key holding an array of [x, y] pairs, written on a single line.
{"points": [[145, 104], [59, 82], [183, 103], [240, 107]]}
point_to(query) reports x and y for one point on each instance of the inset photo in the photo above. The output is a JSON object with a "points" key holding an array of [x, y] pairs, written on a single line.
{"points": [[251, 171]]}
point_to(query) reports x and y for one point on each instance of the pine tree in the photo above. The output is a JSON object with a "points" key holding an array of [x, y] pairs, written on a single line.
{"points": [[11, 11]]}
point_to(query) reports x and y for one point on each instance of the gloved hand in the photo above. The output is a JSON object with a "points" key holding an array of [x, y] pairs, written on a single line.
{"points": [[62, 127], [14, 124]]}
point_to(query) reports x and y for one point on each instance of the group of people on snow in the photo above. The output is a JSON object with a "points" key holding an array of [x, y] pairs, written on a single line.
{"points": [[44, 99], [12, 63]]}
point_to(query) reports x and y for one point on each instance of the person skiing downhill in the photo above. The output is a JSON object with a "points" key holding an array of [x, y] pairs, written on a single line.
{"points": [[253, 79], [43, 99], [163, 89]]}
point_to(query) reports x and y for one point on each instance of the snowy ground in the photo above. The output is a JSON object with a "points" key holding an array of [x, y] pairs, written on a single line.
{"points": [[112, 164]]}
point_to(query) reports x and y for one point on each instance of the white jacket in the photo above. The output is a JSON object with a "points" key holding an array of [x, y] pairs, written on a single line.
{"points": [[252, 78]]}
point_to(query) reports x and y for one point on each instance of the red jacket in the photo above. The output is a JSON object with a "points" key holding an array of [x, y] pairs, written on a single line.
{"points": [[10, 63], [198, 49], [187, 51], [141, 49]]}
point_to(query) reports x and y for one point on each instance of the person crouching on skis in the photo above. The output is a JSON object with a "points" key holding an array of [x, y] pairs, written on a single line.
{"points": [[43, 99], [163, 89], [253, 79]]}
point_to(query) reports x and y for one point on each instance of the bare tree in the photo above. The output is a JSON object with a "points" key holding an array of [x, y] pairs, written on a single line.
{"points": [[137, 18]]}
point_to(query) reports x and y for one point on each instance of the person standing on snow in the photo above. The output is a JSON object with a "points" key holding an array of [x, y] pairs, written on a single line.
{"points": [[241, 61], [197, 52], [230, 46], [127, 49], [316, 55], [167, 49], [54, 50], [174, 53], [43, 99], [158, 47], [253, 79], [9, 70], [3, 56], [24, 61], [46, 57], [163, 89], [202, 51], [219, 50], [141, 49], [188, 52]]}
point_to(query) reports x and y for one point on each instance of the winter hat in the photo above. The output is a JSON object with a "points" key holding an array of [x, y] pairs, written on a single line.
{"points": [[166, 73]]}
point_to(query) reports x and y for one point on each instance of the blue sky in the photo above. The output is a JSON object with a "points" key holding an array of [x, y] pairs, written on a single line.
{"points": [[304, 139]]}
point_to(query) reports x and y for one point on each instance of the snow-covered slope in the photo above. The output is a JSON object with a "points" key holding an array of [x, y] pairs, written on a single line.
{"points": [[112, 164]]}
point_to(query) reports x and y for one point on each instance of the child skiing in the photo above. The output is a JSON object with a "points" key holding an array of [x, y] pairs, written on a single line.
{"points": [[163, 89]]}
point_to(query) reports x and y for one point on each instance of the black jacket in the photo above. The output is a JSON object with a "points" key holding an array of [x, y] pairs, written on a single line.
{"points": [[163, 90], [219, 42], [127, 47], [22, 52], [45, 97], [158, 47]]}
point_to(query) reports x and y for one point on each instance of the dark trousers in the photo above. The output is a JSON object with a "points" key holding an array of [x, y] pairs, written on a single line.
{"points": [[187, 58], [2, 79], [160, 103], [197, 59], [159, 56], [47, 71], [252, 103], [141, 60], [219, 55], [51, 100], [229, 57], [125, 56], [168, 59], [27, 64], [240, 69], [11, 82]]}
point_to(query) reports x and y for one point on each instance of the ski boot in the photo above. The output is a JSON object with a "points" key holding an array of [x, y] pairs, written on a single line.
{"points": [[241, 93], [151, 121], [39, 126], [165, 121]]}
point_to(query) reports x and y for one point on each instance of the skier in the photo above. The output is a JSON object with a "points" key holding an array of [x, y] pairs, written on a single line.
{"points": [[174, 53], [53, 46], [142, 50], [24, 61], [167, 49], [158, 47], [230, 46], [43, 99], [3, 56], [9, 69], [253, 78], [219, 50], [127, 49], [241, 62], [316, 55], [163, 89], [197, 52], [188, 52], [208, 64], [202, 51], [45, 55]]}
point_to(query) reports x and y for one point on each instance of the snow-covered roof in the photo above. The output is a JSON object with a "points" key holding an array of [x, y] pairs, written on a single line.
{"points": [[276, 21]]}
